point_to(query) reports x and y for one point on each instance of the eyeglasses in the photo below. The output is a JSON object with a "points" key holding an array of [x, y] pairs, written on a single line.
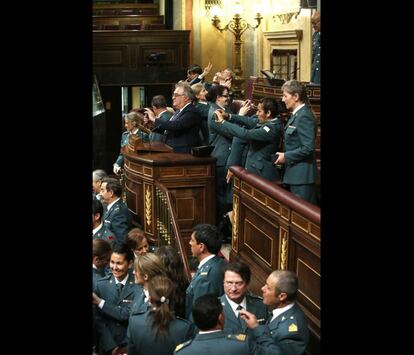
{"points": [[176, 95], [237, 284]]}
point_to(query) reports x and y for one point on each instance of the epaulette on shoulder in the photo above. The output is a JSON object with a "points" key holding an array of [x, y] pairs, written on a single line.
{"points": [[105, 278], [239, 337], [183, 345], [252, 295]]}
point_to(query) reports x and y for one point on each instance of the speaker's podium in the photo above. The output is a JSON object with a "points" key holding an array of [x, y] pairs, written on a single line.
{"points": [[190, 179]]}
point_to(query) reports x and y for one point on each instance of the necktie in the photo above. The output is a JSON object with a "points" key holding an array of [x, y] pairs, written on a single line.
{"points": [[174, 116], [239, 308], [120, 287]]}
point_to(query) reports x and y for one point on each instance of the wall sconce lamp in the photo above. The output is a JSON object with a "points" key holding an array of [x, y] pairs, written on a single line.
{"points": [[208, 4], [237, 25], [284, 10]]}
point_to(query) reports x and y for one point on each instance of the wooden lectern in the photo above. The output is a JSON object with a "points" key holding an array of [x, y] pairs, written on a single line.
{"points": [[190, 179]]}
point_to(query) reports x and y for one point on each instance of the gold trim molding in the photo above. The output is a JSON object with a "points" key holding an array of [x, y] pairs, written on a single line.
{"points": [[283, 248], [148, 205], [235, 223]]}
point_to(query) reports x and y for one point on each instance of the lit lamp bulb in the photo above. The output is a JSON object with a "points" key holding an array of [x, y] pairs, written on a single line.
{"points": [[216, 11], [238, 8], [258, 8]]}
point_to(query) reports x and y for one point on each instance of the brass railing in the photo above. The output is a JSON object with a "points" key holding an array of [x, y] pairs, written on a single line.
{"points": [[167, 225]]}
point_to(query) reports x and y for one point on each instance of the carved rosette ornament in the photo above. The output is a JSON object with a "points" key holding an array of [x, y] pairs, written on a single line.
{"points": [[283, 249], [148, 205]]}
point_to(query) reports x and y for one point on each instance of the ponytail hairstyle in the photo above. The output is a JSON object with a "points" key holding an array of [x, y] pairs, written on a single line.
{"points": [[161, 292]]}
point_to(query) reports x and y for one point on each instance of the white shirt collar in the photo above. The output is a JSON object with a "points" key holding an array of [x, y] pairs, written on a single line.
{"points": [[234, 305], [97, 228], [111, 204], [146, 292], [123, 281], [297, 109], [202, 262], [278, 311], [184, 106], [209, 331]]}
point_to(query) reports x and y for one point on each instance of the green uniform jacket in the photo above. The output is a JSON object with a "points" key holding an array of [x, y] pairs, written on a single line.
{"points": [[207, 279], [299, 144], [203, 109], [142, 340], [105, 234], [264, 140], [219, 137], [112, 319], [289, 331], [118, 220], [158, 137], [228, 344]]}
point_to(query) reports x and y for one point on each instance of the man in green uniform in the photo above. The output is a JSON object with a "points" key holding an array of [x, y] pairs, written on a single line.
{"points": [[288, 326], [209, 318]]}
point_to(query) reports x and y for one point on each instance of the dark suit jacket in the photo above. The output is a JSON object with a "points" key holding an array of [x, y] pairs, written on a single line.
{"points": [[299, 144], [207, 279], [234, 325], [112, 319], [142, 340], [118, 220], [182, 131], [289, 331]]}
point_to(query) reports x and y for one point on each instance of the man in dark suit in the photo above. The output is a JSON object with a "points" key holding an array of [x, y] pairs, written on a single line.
{"points": [[287, 325], [299, 143], [205, 244], [117, 217], [182, 128], [237, 297]]}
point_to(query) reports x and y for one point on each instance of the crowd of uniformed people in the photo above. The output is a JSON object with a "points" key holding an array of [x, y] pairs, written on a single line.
{"points": [[142, 302]]}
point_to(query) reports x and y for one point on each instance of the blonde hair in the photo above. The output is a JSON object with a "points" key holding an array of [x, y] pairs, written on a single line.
{"points": [[149, 264]]}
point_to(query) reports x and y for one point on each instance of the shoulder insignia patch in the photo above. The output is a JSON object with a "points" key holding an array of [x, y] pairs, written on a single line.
{"points": [[293, 328], [267, 129], [204, 273], [239, 337]]}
